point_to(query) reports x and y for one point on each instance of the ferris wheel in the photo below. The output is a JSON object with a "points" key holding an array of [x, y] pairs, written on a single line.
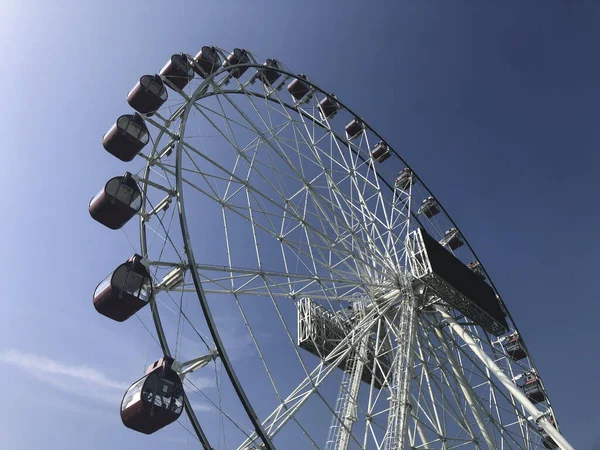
{"points": [[288, 252]]}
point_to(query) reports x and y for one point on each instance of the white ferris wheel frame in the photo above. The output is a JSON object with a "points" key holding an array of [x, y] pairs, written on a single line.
{"points": [[453, 337]]}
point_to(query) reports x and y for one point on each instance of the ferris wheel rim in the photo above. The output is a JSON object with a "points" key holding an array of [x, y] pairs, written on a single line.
{"points": [[314, 86], [180, 190]]}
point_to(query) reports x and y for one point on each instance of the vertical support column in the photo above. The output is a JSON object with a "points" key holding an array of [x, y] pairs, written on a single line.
{"points": [[537, 415], [396, 437], [349, 407], [340, 431]]}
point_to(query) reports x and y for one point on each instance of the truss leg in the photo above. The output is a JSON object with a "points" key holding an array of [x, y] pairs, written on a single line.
{"points": [[400, 406], [340, 432], [537, 415]]}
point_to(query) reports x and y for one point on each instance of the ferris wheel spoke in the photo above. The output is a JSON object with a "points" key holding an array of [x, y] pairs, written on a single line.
{"points": [[449, 378], [453, 406], [263, 359], [425, 401], [536, 414], [340, 167], [498, 400], [470, 397], [263, 197], [265, 178], [286, 159], [501, 432], [474, 369]]}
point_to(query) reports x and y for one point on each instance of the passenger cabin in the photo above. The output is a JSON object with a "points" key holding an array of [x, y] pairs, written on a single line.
{"points": [[475, 266], [207, 61], [514, 347], [155, 400], [380, 152], [429, 207], [329, 107], [404, 179], [125, 291], [452, 239], [237, 56], [298, 88], [533, 389], [354, 128], [117, 202], [148, 95], [177, 71], [547, 441], [270, 74], [126, 137]]}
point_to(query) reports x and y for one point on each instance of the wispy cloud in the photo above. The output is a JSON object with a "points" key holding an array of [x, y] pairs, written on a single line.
{"points": [[201, 407], [36, 364], [73, 379], [201, 382]]}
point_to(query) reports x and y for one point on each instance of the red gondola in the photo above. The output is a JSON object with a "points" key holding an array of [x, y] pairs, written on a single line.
{"points": [[298, 88], [148, 94], [117, 202], [126, 137], [354, 128], [125, 291], [207, 61], [452, 239], [329, 107], [533, 389], [514, 348], [381, 152], [178, 71], [155, 400], [269, 74], [429, 207], [237, 56], [404, 178]]}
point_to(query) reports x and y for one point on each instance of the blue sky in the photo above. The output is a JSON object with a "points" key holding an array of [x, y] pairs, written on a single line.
{"points": [[495, 105]]}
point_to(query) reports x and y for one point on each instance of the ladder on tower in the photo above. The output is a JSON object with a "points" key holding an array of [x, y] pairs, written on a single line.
{"points": [[341, 405]]}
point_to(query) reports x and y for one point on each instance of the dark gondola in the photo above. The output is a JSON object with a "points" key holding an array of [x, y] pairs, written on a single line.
{"points": [[533, 389], [155, 400], [476, 268], [381, 152], [329, 107], [178, 71], [354, 128], [126, 137], [547, 441], [117, 202], [298, 88], [148, 94], [125, 291], [514, 348], [207, 61], [269, 74], [452, 239], [429, 207], [404, 178], [237, 56]]}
